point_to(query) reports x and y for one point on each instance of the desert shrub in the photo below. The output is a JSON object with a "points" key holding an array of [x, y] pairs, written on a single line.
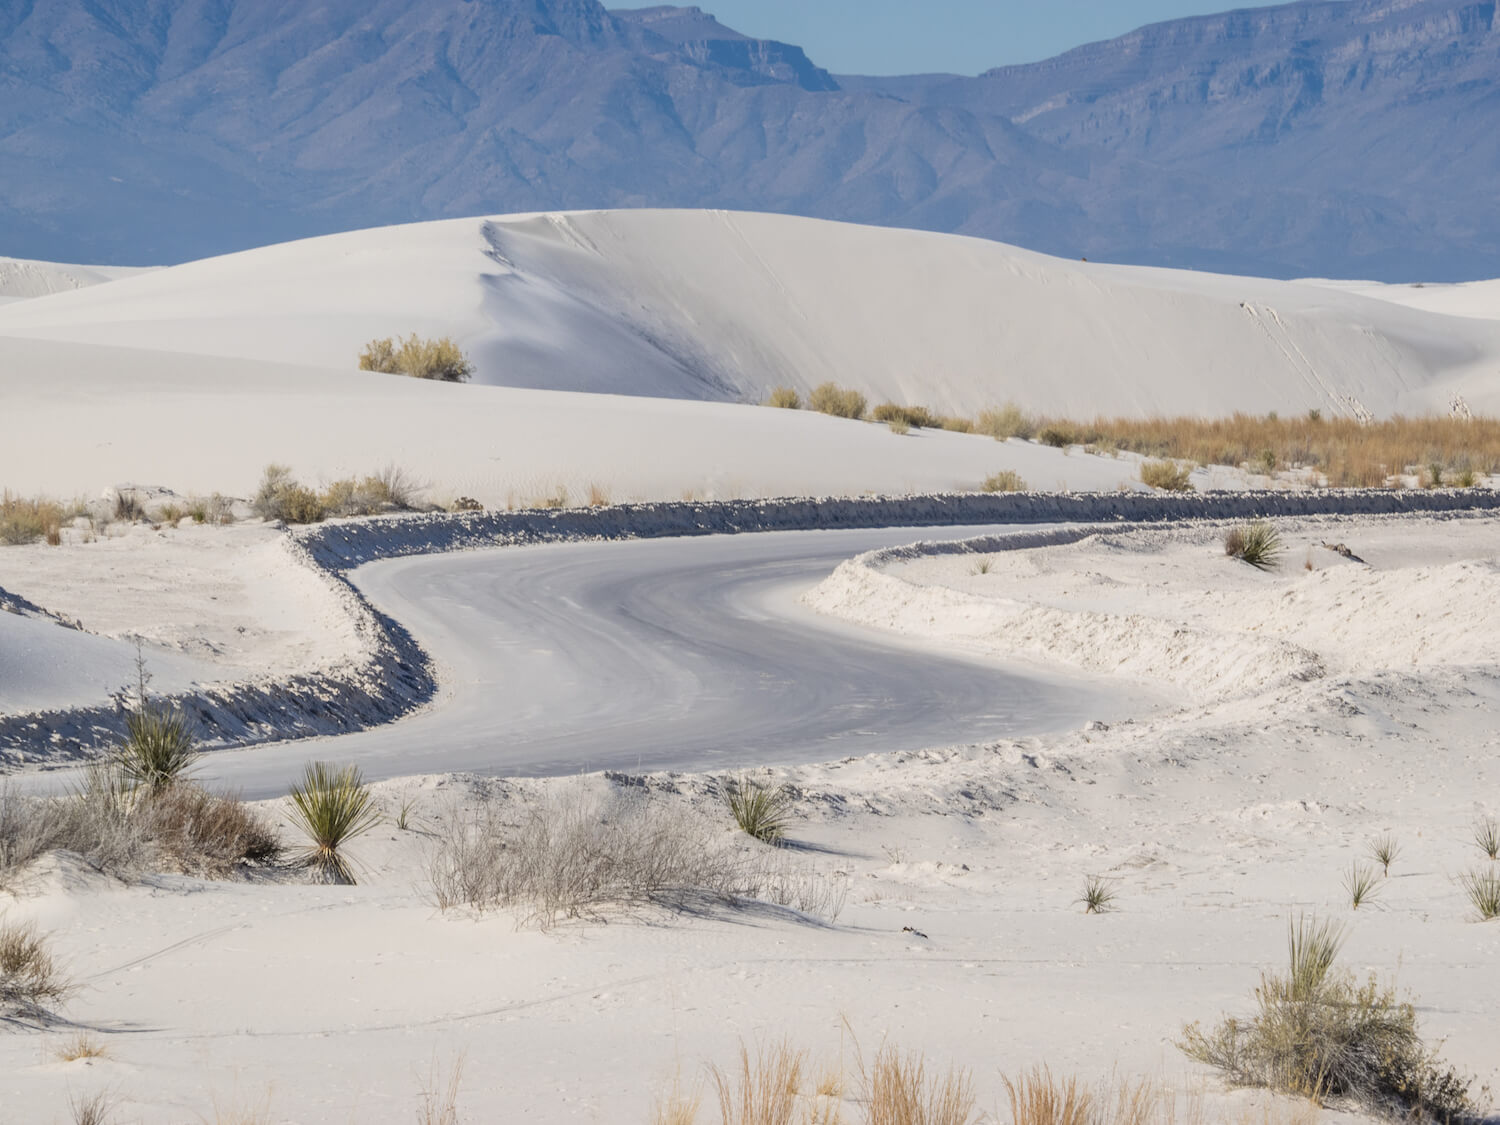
{"points": [[97, 1108], [598, 496], [80, 1045], [440, 359], [1360, 884], [899, 426], [763, 812], [916, 417], [331, 807], [1058, 436], [1006, 480], [29, 976], [1036, 1098], [466, 504], [1006, 422], [1320, 1033], [955, 424], [1258, 544], [179, 827], [1483, 891], [577, 855], [26, 521], [841, 402], [128, 507], [158, 747], [784, 398], [280, 497], [1167, 475]]}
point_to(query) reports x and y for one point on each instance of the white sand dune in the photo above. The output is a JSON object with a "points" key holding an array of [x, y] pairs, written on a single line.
{"points": [[716, 305], [21, 278], [1477, 299], [81, 417]]}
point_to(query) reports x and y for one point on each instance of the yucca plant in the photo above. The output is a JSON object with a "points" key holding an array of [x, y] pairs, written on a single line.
{"points": [[158, 747], [1487, 836], [1258, 544], [761, 811], [332, 806], [1360, 884], [1483, 889], [1312, 948], [1098, 896], [1386, 851]]}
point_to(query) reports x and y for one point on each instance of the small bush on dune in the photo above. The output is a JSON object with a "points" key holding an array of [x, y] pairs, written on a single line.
{"points": [[841, 402], [1319, 1033], [1487, 836], [784, 398], [1058, 436], [763, 1091], [440, 359], [899, 426], [390, 490], [1166, 475], [331, 807], [1006, 480], [761, 811], [956, 424], [128, 507], [1006, 422], [899, 1091], [917, 417], [1097, 897], [280, 497], [1036, 1098], [1258, 544], [29, 976]]}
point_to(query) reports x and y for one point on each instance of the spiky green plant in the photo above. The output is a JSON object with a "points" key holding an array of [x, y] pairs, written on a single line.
{"points": [[1098, 896], [1385, 851], [1360, 884], [1483, 889], [1487, 836], [331, 807], [1258, 544], [761, 811], [1312, 948], [158, 747]]}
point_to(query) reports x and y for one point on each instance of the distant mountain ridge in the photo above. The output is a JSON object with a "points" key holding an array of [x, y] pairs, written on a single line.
{"points": [[1331, 137]]}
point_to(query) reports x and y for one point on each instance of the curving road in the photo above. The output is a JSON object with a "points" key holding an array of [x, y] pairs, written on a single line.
{"points": [[685, 654]]}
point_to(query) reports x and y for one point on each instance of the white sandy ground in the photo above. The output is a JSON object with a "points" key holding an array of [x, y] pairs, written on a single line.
{"points": [[1477, 299], [22, 278], [207, 604], [80, 418], [719, 305], [1214, 824]]}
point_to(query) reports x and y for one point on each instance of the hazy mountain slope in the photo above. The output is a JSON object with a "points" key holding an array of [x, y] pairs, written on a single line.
{"points": [[1355, 138], [716, 305]]}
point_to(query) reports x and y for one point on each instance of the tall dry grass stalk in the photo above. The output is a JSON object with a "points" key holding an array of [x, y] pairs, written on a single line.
{"points": [[26, 521], [763, 1090], [898, 1090]]}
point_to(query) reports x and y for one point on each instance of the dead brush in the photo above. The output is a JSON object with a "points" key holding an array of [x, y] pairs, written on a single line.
{"points": [[26, 521], [1036, 1098], [764, 1090], [1006, 480], [80, 1045]]}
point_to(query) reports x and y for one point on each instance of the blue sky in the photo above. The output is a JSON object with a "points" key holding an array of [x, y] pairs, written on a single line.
{"points": [[959, 36]]}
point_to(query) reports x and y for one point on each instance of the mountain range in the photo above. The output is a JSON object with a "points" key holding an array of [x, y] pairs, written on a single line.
{"points": [[1354, 138]]}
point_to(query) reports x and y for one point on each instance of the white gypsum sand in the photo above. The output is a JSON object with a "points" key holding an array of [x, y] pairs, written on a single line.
{"points": [[1212, 824], [725, 306]]}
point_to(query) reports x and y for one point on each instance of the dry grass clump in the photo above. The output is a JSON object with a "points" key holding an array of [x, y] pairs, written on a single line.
{"points": [[26, 521], [281, 497], [331, 807], [29, 976], [574, 855], [899, 426], [1487, 836], [1319, 1033], [95, 1109], [761, 811], [1258, 544], [784, 398], [1385, 851], [1344, 452], [441, 359], [1006, 480], [1098, 896], [80, 1045], [1360, 884], [439, 1098], [899, 1091], [1167, 475], [841, 402], [1006, 422], [764, 1091]]}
